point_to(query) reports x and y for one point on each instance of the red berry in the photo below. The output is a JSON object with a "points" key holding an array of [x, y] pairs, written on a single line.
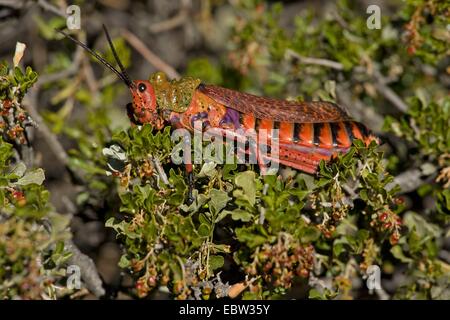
{"points": [[383, 216], [152, 281], [21, 117], [7, 104], [17, 194], [304, 273], [394, 238], [327, 234]]}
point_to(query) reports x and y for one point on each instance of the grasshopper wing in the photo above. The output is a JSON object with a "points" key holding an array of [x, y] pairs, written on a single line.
{"points": [[275, 109]]}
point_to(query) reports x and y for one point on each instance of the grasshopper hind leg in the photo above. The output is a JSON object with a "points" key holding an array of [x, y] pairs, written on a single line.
{"points": [[190, 182]]}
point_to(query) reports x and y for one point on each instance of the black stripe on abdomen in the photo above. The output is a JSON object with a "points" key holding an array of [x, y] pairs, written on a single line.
{"points": [[317, 127], [348, 129], [334, 132], [363, 129], [276, 125], [297, 130], [257, 124]]}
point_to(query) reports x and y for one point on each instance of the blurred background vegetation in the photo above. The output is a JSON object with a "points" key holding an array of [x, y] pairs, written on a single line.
{"points": [[77, 185]]}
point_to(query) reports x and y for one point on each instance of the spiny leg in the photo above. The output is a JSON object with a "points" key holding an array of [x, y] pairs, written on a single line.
{"points": [[190, 181]]}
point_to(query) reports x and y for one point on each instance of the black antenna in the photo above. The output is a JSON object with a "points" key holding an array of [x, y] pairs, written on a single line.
{"points": [[122, 75]]}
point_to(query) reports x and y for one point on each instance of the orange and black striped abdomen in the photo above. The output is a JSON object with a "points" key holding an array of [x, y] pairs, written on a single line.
{"points": [[325, 135], [330, 134]]}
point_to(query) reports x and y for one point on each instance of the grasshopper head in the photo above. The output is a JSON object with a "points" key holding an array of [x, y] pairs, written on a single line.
{"points": [[144, 103]]}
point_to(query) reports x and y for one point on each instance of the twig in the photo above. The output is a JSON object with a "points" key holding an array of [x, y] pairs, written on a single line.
{"points": [[351, 192], [175, 21], [408, 181], [107, 80], [388, 93], [162, 174], [72, 69], [15, 4], [92, 82], [49, 7], [169, 24], [339, 19], [151, 57], [380, 80], [382, 294], [89, 75], [359, 110], [444, 255], [262, 210], [87, 267], [53, 143], [52, 77], [317, 61], [88, 270]]}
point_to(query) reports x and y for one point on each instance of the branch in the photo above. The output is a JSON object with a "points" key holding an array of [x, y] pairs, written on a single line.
{"points": [[359, 110], [162, 174], [380, 80], [150, 56], [169, 24], [382, 294], [388, 93], [87, 267], [15, 4], [317, 61], [71, 70], [175, 21], [49, 7], [409, 180], [52, 141], [88, 270]]}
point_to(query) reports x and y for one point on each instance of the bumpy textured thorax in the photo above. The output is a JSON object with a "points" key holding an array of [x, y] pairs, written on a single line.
{"points": [[203, 108], [173, 95]]}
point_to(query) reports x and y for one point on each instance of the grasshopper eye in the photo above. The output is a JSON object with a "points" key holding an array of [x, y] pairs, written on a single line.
{"points": [[142, 87]]}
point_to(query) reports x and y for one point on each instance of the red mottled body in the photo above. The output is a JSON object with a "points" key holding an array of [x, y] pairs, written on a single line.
{"points": [[310, 132]]}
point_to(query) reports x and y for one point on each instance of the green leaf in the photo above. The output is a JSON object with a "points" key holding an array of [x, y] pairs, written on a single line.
{"points": [[246, 181], [215, 262], [250, 238], [424, 228], [208, 170], [397, 252], [219, 200], [124, 262], [36, 176], [237, 214], [314, 294], [110, 223], [204, 230], [19, 169]]}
